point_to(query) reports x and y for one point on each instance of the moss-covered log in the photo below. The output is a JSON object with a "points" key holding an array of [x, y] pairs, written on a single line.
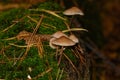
{"points": [[19, 60]]}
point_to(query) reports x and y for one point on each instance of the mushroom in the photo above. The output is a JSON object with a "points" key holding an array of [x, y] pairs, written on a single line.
{"points": [[74, 38], [58, 34], [73, 11], [61, 41]]}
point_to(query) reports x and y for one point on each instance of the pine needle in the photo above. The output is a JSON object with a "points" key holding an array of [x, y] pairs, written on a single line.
{"points": [[8, 27], [17, 45], [49, 12], [75, 29], [9, 38]]}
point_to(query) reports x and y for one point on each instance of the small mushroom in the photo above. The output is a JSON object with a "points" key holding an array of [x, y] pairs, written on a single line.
{"points": [[63, 41], [58, 34], [73, 11], [74, 38]]}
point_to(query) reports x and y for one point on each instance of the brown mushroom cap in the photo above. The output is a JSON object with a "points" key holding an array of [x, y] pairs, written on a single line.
{"points": [[74, 38], [63, 41], [58, 34], [73, 11]]}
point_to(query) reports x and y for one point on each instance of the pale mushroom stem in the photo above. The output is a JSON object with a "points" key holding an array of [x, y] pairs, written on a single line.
{"points": [[71, 23]]}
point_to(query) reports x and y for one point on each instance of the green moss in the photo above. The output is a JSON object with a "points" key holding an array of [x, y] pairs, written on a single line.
{"points": [[7, 17], [52, 6], [9, 68]]}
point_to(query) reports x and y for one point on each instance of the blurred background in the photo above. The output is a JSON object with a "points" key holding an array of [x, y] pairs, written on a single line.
{"points": [[102, 19]]}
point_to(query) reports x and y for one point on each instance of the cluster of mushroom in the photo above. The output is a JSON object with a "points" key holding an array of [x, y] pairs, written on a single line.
{"points": [[61, 39]]}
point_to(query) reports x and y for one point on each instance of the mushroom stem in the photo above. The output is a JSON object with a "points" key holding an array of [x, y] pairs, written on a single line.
{"points": [[72, 18], [61, 53]]}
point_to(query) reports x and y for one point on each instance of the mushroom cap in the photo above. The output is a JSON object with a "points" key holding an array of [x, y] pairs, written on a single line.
{"points": [[63, 41], [50, 43], [58, 34], [74, 38], [73, 11]]}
